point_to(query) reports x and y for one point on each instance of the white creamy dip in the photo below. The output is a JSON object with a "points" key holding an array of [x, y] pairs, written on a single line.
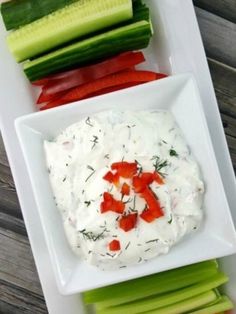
{"points": [[78, 159]]}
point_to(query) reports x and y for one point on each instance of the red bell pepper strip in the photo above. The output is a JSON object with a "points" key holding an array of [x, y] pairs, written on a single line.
{"points": [[111, 204], [158, 178], [153, 203], [114, 245], [112, 178], [147, 177], [147, 216], [139, 184], [128, 222], [117, 63], [125, 169], [83, 91], [89, 73], [125, 189]]}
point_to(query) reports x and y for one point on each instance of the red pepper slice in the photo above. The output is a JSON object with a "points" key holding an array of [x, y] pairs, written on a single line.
{"points": [[111, 204], [139, 184], [128, 222], [112, 178], [158, 178], [114, 245], [125, 189], [147, 177], [147, 216], [152, 202], [83, 91], [69, 79], [125, 169]]}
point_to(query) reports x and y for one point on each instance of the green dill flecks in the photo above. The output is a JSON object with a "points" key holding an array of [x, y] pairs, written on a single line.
{"points": [[159, 164], [128, 200], [64, 179], [153, 240], [107, 156], [111, 255], [147, 250], [170, 220], [127, 246], [123, 266], [88, 122], [164, 142], [87, 203], [89, 235], [93, 171], [94, 141], [140, 168], [140, 260], [173, 153], [67, 165], [134, 204]]}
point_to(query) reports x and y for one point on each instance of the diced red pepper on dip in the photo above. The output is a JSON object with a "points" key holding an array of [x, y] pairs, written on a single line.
{"points": [[158, 178], [114, 245], [128, 222], [153, 203], [147, 215], [125, 169], [125, 189], [112, 177], [111, 204]]}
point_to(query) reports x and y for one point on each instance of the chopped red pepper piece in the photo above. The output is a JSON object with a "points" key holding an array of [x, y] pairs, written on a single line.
{"points": [[82, 91], [125, 169], [139, 184], [111, 204], [128, 222], [147, 216], [114, 245], [147, 177], [158, 178], [112, 178], [125, 190], [152, 202], [68, 79]]}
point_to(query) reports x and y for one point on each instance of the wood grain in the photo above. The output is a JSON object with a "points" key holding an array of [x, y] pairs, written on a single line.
{"points": [[222, 8], [219, 37]]}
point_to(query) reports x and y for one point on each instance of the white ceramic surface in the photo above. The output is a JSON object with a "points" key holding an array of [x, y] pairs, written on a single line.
{"points": [[178, 94], [177, 48]]}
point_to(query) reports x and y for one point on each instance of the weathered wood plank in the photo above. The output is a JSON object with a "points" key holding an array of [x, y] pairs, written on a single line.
{"points": [[17, 263], [223, 8], [8, 198], [219, 37], [18, 301]]}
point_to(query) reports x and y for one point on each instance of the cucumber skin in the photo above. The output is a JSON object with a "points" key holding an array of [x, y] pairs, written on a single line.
{"points": [[131, 37], [74, 21], [16, 13]]}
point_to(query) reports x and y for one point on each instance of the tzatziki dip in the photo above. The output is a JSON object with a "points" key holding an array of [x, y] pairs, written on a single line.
{"points": [[126, 184]]}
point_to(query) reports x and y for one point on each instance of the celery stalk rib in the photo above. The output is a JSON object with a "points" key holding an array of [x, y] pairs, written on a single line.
{"points": [[155, 302]]}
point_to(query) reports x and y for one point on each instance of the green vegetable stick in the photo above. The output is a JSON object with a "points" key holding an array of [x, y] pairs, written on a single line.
{"points": [[156, 302], [224, 304], [155, 284]]}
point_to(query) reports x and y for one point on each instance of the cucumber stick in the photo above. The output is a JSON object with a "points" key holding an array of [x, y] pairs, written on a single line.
{"points": [[16, 13], [73, 21], [131, 37]]}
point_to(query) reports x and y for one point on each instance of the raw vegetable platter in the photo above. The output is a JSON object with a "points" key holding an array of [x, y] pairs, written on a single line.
{"points": [[175, 48]]}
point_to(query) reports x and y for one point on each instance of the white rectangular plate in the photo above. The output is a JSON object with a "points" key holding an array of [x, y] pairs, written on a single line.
{"points": [[177, 48], [178, 94]]}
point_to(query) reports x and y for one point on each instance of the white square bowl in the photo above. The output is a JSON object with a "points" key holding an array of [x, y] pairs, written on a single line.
{"points": [[179, 94]]}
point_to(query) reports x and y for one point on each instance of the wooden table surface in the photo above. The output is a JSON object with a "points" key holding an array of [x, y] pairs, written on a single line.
{"points": [[20, 290]]}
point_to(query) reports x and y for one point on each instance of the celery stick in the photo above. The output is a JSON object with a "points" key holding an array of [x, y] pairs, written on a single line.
{"points": [[224, 304], [186, 305], [155, 302], [150, 285]]}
